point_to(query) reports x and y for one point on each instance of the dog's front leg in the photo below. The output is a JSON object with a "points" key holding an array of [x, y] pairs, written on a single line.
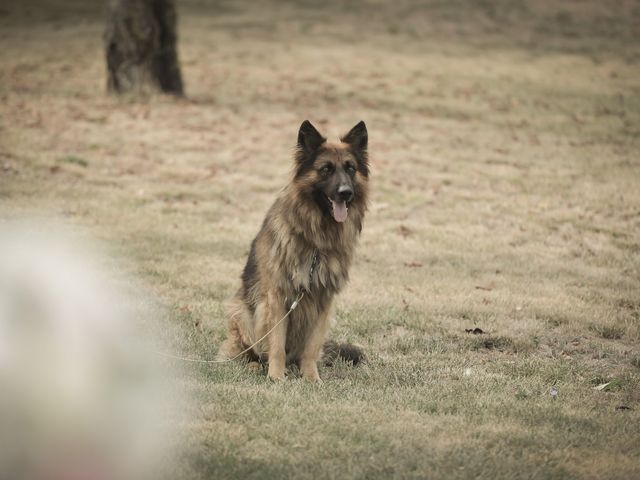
{"points": [[311, 352], [277, 338]]}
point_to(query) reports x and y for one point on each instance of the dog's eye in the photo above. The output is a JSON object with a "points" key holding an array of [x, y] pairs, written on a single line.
{"points": [[326, 170], [350, 169]]}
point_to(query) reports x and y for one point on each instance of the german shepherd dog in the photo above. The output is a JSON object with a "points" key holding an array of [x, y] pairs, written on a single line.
{"points": [[306, 244]]}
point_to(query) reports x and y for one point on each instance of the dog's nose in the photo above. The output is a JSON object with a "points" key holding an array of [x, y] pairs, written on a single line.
{"points": [[345, 193]]}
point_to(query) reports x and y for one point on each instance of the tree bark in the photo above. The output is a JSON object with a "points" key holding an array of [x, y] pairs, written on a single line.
{"points": [[141, 46]]}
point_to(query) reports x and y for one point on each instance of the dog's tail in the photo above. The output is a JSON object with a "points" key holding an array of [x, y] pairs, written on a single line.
{"points": [[348, 352]]}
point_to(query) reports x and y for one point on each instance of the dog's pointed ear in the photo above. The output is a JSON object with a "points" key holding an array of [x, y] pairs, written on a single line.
{"points": [[357, 137], [309, 139]]}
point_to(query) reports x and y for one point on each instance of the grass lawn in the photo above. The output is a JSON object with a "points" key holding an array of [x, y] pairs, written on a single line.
{"points": [[505, 159]]}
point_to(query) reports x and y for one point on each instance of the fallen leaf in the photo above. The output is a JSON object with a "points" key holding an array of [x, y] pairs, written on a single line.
{"points": [[412, 264], [605, 387], [475, 331], [405, 231]]}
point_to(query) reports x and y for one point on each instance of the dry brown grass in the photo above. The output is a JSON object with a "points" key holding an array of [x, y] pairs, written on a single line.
{"points": [[505, 158]]}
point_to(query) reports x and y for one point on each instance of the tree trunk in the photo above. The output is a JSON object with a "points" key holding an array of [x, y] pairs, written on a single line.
{"points": [[140, 42]]}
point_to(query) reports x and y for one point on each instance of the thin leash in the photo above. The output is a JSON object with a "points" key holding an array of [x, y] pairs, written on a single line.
{"points": [[225, 360], [301, 292]]}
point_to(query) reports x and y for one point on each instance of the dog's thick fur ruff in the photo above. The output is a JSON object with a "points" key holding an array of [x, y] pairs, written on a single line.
{"points": [[320, 211]]}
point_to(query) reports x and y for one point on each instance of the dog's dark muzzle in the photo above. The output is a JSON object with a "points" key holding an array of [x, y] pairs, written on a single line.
{"points": [[345, 193]]}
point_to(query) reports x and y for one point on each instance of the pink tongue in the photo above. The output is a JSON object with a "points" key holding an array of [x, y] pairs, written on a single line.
{"points": [[340, 211]]}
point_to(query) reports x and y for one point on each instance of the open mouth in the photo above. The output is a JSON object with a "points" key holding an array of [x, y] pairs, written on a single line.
{"points": [[339, 210]]}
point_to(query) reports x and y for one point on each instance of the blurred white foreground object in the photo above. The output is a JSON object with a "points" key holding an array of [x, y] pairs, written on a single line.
{"points": [[79, 398]]}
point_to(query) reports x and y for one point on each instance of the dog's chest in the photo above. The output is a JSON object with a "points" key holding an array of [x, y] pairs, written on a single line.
{"points": [[321, 271]]}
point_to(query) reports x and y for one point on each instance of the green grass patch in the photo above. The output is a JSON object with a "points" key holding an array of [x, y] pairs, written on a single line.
{"points": [[74, 160]]}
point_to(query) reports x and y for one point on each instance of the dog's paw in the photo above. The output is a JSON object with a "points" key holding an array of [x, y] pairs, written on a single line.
{"points": [[254, 366], [277, 375], [317, 380], [311, 374]]}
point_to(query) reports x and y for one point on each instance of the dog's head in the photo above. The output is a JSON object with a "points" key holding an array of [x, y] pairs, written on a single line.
{"points": [[333, 174]]}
